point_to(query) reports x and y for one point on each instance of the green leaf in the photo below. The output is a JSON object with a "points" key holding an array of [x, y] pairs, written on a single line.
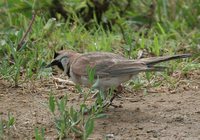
{"points": [[39, 136], [148, 76], [89, 126], [161, 29], [83, 108], [11, 121], [62, 103], [91, 74], [19, 34], [81, 5], [156, 47], [79, 89], [76, 130], [49, 26], [52, 103], [98, 116], [73, 114]]}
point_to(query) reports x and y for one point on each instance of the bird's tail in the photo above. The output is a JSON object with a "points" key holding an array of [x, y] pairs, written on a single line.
{"points": [[154, 60], [144, 65]]}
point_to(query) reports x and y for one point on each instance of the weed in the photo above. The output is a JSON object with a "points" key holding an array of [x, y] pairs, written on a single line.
{"points": [[39, 135], [72, 122], [6, 125]]}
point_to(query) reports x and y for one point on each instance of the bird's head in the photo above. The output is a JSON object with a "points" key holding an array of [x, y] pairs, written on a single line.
{"points": [[63, 60]]}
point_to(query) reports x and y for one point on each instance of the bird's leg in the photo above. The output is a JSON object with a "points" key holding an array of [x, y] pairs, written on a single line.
{"points": [[118, 90]]}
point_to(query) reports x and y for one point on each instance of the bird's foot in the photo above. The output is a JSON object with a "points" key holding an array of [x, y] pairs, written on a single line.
{"points": [[108, 104]]}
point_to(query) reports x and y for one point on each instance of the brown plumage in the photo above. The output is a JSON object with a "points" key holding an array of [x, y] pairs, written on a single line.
{"points": [[110, 69]]}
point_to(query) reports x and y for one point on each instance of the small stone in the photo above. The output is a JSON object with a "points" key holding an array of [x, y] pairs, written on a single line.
{"points": [[179, 102], [179, 119], [110, 136]]}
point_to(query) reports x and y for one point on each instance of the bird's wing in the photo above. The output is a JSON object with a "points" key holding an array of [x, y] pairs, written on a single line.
{"points": [[96, 60], [130, 67], [108, 64]]}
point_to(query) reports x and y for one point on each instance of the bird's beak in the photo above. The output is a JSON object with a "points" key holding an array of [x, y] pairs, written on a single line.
{"points": [[53, 63]]}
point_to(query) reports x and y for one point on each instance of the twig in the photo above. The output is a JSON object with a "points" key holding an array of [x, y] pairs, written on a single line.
{"points": [[20, 44], [67, 82]]}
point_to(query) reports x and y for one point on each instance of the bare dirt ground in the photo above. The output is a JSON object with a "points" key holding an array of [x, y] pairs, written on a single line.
{"points": [[162, 113]]}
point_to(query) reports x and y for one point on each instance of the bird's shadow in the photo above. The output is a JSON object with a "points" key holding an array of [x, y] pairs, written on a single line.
{"points": [[130, 115]]}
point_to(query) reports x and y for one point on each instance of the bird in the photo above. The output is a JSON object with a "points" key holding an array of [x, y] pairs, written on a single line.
{"points": [[110, 69]]}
